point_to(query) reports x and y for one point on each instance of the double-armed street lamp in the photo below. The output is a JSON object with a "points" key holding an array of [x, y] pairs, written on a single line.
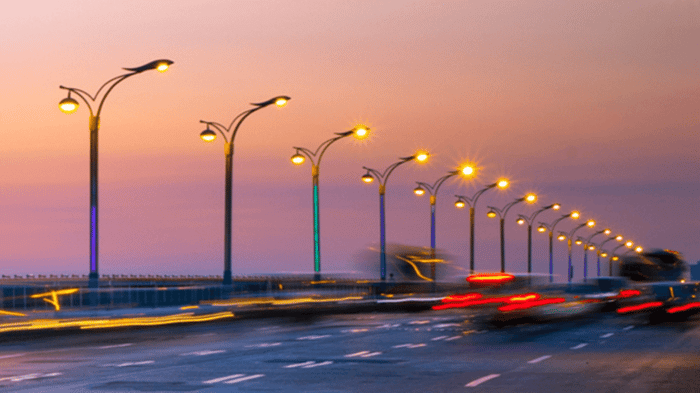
{"points": [[568, 237], [522, 219], [229, 134], [465, 171], [382, 178], [587, 246], [501, 213], [359, 132], [463, 201], [70, 105], [600, 252], [550, 229]]}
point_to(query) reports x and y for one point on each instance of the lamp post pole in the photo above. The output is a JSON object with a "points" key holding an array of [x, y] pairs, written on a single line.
{"points": [[529, 220], [569, 236], [550, 228], [360, 132], [70, 105], [229, 134], [433, 190], [461, 200], [382, 178], [530, 198]]}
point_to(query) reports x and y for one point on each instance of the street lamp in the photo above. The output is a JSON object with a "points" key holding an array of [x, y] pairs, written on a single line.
{"points": [[383, 177], [614, 257], [209, 135], [587, 246], [550, 229], [464, 200], [359, 132], [501, 213], [464, 171], [70, 105], [569, 236], [600, 252], [522, 219]]}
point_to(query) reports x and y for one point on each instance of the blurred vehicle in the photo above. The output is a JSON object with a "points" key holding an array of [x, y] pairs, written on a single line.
{"points": [[664, 301], [654, 265]]}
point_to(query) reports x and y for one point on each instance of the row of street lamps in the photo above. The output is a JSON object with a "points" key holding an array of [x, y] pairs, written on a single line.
{"points": [[70, 105]]}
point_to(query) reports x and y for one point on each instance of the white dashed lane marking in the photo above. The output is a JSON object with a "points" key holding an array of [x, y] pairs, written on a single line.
{"points": [[116, 346], [453, 338], [19, 378], [352, 355], [409, 345], [327, 362], [216, 380], [539, 359], [263, 345], [369, 355], [607, 335], [628, 327], [203, 353], [481, 380], [579, 346], [313, 337], [295, 365], [438, 338]]}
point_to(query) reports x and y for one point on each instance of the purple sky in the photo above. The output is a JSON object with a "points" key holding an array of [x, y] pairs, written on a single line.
{"points": [[590, 104]]}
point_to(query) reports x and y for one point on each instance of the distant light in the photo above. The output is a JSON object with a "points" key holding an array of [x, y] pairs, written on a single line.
{"points": [[520, 221], [491, 214], [578, 242], [591, 247], [561, 237], [162, 66], [556, 206], [541, 228], [280, 101], [360, 132], [422, 156], [468, 170], [531, 198], [503, 183], [207, 135], [419, 190], [575, 214], [619, 238], [639, 249], [298, 159], [615, 258], [604, 254], [68, 105], [590, 223], [460, 204], [607, 231], [629, 244], [367, 178]]}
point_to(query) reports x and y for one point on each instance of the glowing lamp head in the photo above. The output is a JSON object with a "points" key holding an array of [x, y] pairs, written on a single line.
{"points": [[367, 178], [460, 204], [468, 170], [638, 249], [421, 156], [419, 190], [207, 135], [590, 223], [575, 214], [298, 159], [163, 66], [541, 228], [503, 184], [68, 105], [491, 214], [629, 244], [561, 237], [360, 132], [618, 238], [556, 206], [281, 101], [530, 198], [607, 231], [578, 242], [604, 254], [591, 247], [615, 258], [520, 221]]}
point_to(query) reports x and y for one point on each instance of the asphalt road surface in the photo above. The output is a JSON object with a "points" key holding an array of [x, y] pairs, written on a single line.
{"points": [[395, 352]]}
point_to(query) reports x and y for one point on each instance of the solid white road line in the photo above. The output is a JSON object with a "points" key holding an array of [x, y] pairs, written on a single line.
{"points": [[327, 362], [438, 338], [127, 364], [481, 380], [263, 345], [417, 345], [607, 335], [539, 359], [245, 378], [628, 327], [300, 364], [579, 346], [352, 355], [369, 355], [203, 353], [402, 346], [116, 346], [313, 337], [215, 380]]}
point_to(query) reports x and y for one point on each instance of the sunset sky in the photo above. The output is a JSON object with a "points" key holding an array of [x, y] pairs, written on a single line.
{"points": [[591, 104]]}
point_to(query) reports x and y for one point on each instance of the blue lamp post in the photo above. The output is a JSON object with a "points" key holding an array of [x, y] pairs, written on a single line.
{"points": [[550, 229]]}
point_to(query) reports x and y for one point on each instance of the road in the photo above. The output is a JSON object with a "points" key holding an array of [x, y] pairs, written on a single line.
{"points": [[431, 351]]}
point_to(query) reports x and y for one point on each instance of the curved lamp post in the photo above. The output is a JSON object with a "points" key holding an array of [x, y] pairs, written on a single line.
{"points": [[501, 213], [568, 237], [637, 249], [229, 135], [464, 200], [600, 252], [529, 220], [614, 257], [383, 177], [70, 105], [359, 132], [550, 228], [587, 246]]}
